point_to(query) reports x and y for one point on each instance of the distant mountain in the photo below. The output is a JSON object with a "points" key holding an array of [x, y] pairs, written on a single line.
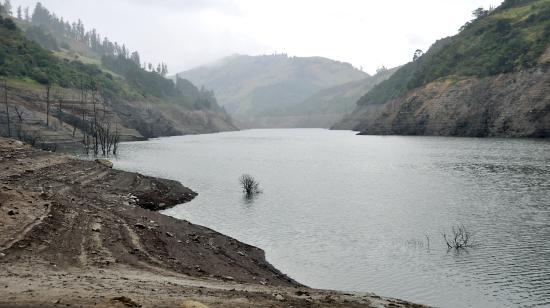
{"points": [[255, 87], [328, 106], [492, 79], [322, 109]]}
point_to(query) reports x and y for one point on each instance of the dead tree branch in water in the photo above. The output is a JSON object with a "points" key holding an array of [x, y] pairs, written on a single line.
{"points": [[459, 239], [250, 186]]}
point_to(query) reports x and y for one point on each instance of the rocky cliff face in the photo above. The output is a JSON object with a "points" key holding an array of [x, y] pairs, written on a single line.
{"points": [[159, 120], [507, 105]]}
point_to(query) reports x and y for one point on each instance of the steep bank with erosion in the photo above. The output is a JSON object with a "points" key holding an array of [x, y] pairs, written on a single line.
{"points": [[64, 124], [507, 105], [79, 233], [59, 97]]}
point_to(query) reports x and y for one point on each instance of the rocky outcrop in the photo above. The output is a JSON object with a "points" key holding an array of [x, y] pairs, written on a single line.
{"points": [[507, 105]]}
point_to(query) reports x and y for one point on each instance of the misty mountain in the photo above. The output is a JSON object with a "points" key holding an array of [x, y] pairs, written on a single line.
{"points": [[255, 87], [489, 80], [322, 109], [46, 61]]}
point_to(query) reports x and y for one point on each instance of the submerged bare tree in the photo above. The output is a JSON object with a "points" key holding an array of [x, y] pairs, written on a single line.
{"points": [[459, 239], [250, 186]]}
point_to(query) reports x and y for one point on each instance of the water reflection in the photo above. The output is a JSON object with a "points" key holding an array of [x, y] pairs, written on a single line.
{"points": [[248, 200]]}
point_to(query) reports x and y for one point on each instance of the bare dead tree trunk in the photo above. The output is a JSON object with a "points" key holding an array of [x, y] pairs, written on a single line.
{"points": [[20, 124], [83, 99], [48, 88], [60, 112], [95, 126], [5, 85], [84, 126], [86, 141], [74, 114], [116, 139]]}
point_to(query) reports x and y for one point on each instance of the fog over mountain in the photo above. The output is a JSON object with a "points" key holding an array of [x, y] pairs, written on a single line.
{"points": [[186, 34], [281, 91], [268, 86]]}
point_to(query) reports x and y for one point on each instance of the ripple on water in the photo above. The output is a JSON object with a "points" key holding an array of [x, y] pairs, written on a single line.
{"points": [[350, 212]]}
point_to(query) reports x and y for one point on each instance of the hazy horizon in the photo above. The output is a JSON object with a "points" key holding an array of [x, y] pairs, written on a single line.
{"points": [[187, 34]]}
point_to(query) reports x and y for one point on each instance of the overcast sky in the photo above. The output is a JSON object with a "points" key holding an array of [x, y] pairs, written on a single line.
{"points": [[188, 33]]}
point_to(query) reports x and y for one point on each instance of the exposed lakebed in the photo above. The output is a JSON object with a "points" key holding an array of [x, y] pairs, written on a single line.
{"points": [[354, 213]]}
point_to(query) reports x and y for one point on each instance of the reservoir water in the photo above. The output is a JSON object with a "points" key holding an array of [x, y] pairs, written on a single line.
{"points": [[356, 213]]}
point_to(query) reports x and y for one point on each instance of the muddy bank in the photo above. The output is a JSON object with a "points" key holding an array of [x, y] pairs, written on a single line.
{"points": [[80, 233]]}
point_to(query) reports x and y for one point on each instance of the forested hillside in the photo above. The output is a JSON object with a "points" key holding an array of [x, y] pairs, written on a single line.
{"points": [[458, 87], [45, 60]]}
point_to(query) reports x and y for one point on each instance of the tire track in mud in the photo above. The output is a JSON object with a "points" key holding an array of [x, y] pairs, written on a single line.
{"points": [[79, 250], [21, 235]]}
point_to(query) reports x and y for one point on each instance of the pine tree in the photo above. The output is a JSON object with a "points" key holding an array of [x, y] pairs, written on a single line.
{"points": [[164, 70], [8, 7], [41, 16], [124, 51], [19, 12], [27, 14], [135, 57]]}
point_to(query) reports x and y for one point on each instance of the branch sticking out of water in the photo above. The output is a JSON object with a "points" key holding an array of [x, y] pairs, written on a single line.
{"points": [[460, 238], [250, 185]]}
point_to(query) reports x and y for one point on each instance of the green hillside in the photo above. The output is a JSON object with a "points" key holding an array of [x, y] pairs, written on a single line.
{"points": [[507, 39], [46, 50], [65, 85], [23, 59]]}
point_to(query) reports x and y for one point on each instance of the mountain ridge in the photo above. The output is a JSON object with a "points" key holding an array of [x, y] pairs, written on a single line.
{"points": [[262, 86]]}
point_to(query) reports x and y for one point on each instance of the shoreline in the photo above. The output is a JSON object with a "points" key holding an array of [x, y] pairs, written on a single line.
{"points": [[76, 232]]}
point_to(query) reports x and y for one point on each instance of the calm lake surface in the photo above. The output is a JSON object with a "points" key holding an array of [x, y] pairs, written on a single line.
{"points": [[349, 212]]}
